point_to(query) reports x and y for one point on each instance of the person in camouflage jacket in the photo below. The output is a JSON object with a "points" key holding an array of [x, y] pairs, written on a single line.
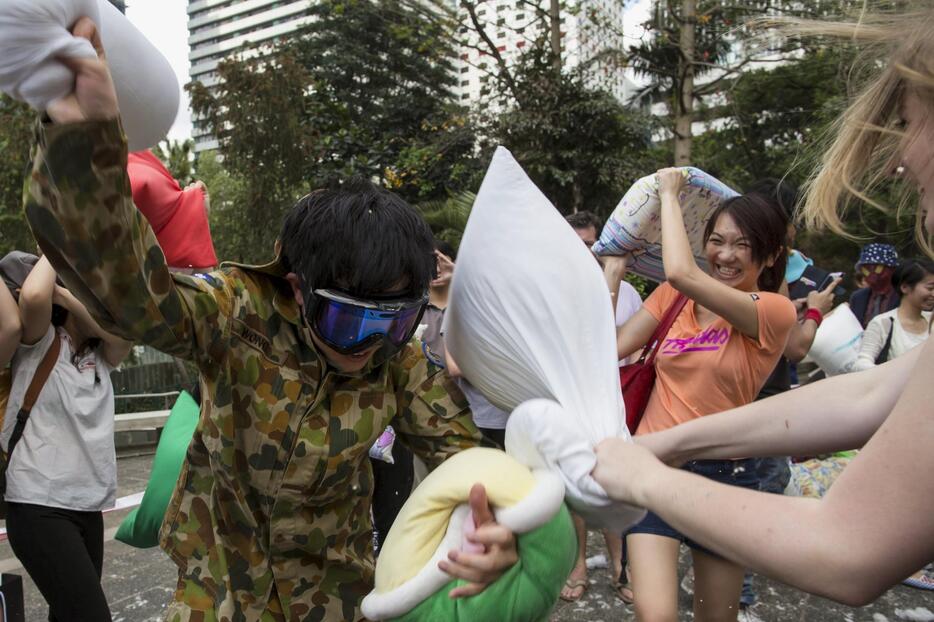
{"points": [[270, 519]]}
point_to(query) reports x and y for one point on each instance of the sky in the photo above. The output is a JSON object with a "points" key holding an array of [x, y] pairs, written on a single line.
{"points": [[165, 24]]}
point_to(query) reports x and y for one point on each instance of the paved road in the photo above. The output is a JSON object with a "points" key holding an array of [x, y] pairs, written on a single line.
{"points": [[139, 583]]}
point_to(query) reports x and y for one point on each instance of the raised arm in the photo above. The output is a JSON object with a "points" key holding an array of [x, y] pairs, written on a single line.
{"points": [[79, 206], [115, 349], [682, 272], [10, 325], [803, 333], [843, 546], [835, 414], [35, 302]]}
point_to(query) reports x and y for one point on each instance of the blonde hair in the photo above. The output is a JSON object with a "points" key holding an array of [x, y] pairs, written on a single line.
{"points": [[864, 141]]}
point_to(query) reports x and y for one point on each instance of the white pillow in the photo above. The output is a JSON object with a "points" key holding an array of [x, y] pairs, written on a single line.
{"points": [[837, 342], [635, 224], [35, 33], [530, 325]]}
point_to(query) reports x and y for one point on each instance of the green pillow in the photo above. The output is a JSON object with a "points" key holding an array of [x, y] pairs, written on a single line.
{"points": [[526, 593], [141, 526]]}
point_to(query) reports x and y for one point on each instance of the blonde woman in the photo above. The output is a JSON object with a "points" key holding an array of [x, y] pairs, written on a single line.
{"points": [[865, 535]]}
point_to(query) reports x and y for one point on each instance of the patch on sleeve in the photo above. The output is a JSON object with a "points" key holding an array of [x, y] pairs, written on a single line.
{"points": [[209, 279]]}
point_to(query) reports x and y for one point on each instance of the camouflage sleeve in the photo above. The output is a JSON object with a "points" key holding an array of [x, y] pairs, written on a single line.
{"points": [[78, 202], [433, 416]]}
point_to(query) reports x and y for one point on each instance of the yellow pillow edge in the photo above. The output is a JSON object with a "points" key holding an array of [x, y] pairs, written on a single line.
{"points": [[421, 524]]}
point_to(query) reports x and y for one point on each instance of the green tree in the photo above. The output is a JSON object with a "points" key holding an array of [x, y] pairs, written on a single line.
{"points": [[448, 217], [580, 145], [230, 232], [708, 41], [178, 157], [330, 104], [16, 126], [258, 113]]}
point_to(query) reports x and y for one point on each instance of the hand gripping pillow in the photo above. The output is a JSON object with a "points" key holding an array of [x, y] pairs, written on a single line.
{"points": [[531, 326], [178, 217], [35, 33], [140, 528], [409, 585], [635, 225]]}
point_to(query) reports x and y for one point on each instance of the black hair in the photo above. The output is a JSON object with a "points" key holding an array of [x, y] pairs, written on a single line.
{"points": [[764, 227], [783, 193], [446, 249], [910, 272], [59, 315], [358, 238], [583, 220]]}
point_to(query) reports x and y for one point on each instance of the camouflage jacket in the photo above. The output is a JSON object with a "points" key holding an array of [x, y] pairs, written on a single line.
{"points": [[270, 517]]}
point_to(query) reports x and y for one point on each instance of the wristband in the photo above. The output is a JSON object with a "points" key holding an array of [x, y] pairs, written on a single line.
{"points": [[814, 314]]}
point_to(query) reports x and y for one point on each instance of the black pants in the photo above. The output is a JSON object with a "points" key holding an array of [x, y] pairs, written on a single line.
{"points": [[63, 552]]}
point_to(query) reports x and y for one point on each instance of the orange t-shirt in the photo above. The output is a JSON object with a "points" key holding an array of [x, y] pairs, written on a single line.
{"points": [[701, 371]]}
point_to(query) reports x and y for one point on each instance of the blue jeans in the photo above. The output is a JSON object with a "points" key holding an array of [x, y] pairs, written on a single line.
{"points": [[734, 472]]}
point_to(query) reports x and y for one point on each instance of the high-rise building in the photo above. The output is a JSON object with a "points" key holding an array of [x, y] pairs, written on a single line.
{"points": [[220, 28], [591, 30]]}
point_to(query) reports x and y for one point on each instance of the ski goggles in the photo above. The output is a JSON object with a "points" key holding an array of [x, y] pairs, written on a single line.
{"points": [[350, 325]]}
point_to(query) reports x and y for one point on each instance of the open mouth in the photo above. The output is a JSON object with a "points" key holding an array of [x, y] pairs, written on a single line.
{"points": [[727, 274]]}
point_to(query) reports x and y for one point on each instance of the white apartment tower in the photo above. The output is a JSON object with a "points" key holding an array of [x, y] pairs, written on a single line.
{"points": [[588, 27], [220, 28]]}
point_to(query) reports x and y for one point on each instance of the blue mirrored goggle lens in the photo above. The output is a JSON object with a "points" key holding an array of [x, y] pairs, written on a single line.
{"points": [[345, 325]]}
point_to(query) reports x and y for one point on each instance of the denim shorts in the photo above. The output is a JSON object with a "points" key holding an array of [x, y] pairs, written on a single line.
{"points": [[733, 472]]}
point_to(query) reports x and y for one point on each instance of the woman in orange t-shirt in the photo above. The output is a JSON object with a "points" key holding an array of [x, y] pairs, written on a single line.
{"points": [[717, 355]]}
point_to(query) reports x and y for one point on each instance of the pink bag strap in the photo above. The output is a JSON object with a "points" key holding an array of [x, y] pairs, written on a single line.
{"points": [[661, 331]]}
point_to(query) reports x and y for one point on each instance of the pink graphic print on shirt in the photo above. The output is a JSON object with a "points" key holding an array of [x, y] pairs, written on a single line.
{"points": [[708, 340]]}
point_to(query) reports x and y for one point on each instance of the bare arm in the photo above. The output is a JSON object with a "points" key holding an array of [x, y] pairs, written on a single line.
{"points": [[115, 349], [682, 272], [835, 414], [853, 544], [35, 302], [633, 335], [10, 325]]}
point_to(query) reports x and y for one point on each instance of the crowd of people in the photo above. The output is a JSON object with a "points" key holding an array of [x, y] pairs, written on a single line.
{"points": [[305, 361]]}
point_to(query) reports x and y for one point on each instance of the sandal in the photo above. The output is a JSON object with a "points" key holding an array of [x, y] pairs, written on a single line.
{"points": [[624, 592], [921, 582], [573, 585]]}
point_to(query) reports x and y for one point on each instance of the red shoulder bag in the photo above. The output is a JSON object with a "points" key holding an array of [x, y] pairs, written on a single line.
{"points": [[637, 379]]}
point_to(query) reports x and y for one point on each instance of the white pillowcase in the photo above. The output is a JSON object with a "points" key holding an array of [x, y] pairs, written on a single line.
{"points": [[35, 33], [530, 324], [635, 224]]}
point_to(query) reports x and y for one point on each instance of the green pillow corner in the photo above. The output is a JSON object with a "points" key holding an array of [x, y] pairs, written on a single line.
{"points": [[141, 526], [527, 592]]}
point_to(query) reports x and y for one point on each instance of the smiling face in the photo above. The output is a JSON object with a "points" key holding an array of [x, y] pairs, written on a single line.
{"points": [[917, 151], [729, 254], [921, 295]]}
